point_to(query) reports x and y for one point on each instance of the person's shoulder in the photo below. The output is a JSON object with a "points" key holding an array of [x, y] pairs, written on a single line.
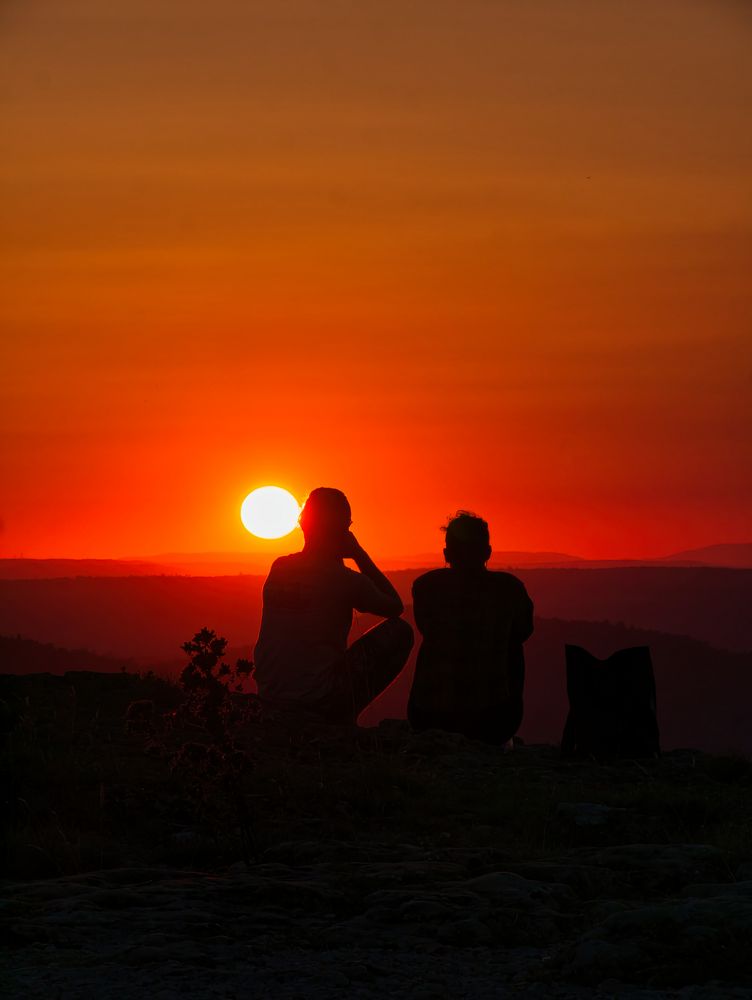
{"points": [[285, 564], [505, 581], [430, 580]]}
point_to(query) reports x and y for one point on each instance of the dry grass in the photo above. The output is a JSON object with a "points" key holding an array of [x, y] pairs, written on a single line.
{"points": [[84, 789]]}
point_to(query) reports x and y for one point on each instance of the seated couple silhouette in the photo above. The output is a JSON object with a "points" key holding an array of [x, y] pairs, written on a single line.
{"points": [[470, 668]]}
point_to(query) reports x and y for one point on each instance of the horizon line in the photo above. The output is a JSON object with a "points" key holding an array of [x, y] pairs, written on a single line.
{"points": [[409, 560]]}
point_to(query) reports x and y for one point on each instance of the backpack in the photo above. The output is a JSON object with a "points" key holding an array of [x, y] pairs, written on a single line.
{"points": [[612, 710]]}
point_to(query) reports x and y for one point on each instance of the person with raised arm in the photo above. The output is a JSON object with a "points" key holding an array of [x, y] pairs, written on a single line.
{"points": [[302, 659]]}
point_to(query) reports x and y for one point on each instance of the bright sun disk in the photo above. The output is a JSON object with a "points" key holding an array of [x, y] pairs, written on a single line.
{"points": [[270, 512]]}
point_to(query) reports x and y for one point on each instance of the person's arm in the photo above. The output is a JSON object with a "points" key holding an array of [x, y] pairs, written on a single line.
{"points": [[386, 601], [523, 625], [420, 604]]}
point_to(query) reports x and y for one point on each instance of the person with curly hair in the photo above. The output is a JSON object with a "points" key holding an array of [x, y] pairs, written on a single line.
{"points": [[470, 669]]}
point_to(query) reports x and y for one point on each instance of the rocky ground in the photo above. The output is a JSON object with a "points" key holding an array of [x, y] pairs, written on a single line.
{"points": [[321, 863]]}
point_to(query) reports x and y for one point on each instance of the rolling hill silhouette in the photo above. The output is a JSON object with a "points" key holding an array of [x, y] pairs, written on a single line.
{"points": [[695, 620], [25, 656], [148, 617], [703, 693]]}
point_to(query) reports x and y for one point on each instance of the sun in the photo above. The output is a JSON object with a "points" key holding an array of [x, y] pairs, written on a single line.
{"points": [[270, 512]]}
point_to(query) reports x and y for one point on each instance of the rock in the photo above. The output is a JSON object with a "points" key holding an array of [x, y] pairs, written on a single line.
{"points": [[679, 941], [588, 813], [469, 932], [585, 881], [424, 909], [117, 899], [508, 890], [705, 889], [657, 868]]}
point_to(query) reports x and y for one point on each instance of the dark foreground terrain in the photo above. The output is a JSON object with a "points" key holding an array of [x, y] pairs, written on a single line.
{"points": [[309, 862]]}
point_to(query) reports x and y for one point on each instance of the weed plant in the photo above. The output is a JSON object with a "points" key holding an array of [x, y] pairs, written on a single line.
{"points": [[214, 774]]}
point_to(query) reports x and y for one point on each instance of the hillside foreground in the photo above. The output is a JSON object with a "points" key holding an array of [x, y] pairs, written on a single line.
{"points": [[315, 862]]}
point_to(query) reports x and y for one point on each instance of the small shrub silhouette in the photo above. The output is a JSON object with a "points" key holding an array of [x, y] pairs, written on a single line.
{"points": [[209, 683], [212, 773]]}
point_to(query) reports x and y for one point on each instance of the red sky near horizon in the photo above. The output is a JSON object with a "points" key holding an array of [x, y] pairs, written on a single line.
{"points": [[492, 256]]}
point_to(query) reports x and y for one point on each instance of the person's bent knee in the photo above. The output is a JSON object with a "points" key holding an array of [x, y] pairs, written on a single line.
{"points": [[393, 637], [402, 633]]}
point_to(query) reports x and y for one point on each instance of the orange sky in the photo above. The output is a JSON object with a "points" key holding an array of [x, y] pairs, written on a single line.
{"points": [[484, 255]]}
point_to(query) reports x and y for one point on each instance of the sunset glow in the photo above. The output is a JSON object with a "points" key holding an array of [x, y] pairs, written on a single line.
{"points": [[491, 255]]}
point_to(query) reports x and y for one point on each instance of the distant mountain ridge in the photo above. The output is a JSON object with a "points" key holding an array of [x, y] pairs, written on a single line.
{"points": [[729, 555], [150, 616], [26, 656], [53, 569]]}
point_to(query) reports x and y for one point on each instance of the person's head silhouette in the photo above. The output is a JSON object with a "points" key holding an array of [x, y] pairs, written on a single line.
{"points": [[325, 520], [467, 541]]}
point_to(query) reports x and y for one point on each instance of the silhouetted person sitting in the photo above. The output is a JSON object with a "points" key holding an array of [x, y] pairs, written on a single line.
{"points": [[301, 656], [470, 670]]}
